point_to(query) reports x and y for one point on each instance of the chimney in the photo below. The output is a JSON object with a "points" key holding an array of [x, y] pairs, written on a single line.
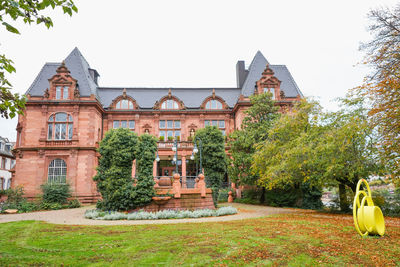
{"points": [[241, 73]]}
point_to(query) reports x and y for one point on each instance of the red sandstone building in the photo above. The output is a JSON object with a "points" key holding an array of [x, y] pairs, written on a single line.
{"points": [[68, 113]]}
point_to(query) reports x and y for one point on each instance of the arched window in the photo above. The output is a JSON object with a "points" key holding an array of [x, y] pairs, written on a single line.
{"points": [[124, 104], [170, 104], [213, 104], [57, 171], [60, 127]]}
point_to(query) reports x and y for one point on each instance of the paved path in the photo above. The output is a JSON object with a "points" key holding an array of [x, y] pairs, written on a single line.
{"points": [[75, 216]]}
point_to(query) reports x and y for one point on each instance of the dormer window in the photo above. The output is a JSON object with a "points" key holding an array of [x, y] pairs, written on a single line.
{"points": [[270, 90], [62, 92], [213, 104], [62, 85], [170, 104], [124, 104]]}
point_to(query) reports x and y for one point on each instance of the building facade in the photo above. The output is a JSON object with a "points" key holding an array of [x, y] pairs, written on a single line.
{"points": [[7, 162], [68, 113]]}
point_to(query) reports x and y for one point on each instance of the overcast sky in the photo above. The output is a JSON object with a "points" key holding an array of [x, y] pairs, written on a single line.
{"points": [[197, 44]]}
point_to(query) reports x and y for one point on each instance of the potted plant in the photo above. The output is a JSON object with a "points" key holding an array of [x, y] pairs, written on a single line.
{"points": [[190, 138], [161, 138], [178, 138], [170, 138]]}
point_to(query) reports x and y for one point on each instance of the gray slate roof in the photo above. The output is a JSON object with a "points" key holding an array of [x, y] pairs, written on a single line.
{"points": [[147, 97], [79, 68], [257, 66]]}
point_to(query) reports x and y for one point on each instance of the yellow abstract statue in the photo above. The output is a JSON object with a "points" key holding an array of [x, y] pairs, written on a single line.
{"points": [[367, 219]]}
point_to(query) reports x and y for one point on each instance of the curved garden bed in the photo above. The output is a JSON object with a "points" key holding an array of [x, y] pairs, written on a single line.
{"points": [[164, 214]]}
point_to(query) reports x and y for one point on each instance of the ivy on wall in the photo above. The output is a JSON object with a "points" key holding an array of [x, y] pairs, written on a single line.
{"points": [[214, 157], [114, 180]]}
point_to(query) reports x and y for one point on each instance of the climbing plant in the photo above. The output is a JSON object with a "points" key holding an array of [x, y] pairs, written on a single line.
{"points": [[114, 174], [214, 157], [146, 151]]}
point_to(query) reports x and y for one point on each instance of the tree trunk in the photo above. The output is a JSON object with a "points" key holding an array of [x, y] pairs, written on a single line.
{"points": [[262, 198], [344, 204]]}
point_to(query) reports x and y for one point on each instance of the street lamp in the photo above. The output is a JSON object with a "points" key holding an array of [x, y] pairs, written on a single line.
{"points": [[175, 159], [157, 158], [195, 150]]}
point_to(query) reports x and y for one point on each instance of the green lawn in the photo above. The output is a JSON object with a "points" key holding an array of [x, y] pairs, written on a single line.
{"points": [[290, 239]]}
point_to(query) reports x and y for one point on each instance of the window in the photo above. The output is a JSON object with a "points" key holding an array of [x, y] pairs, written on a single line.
{"points": [[60, 127], [1, 146], [124, 124], [270, 90], [172, 129], [7, 166], [8, 148], [218, 123], [3, 163], [62, 92], [213, 104], [170, 104], [124, 104], [57, 171]]}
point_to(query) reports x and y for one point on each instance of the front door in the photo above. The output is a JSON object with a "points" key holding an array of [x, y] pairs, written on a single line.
{"points": [[167, 171]]}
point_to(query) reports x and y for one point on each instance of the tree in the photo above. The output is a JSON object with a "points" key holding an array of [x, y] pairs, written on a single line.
{"points": [[382, 86], [214, 157], [308, 146], [254, 129], [28, 11], [259, 119]]}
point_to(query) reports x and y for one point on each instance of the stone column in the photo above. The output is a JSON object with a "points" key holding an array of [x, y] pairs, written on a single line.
{"points": [[184, 172], [155, 168], [134, 168]]}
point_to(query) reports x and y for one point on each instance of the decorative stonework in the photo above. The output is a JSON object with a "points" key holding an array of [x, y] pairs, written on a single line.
{"points": [[63, 78], [268, 80]]}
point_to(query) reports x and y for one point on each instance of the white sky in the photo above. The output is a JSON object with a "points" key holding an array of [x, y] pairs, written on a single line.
{"points": [[197, 44]]}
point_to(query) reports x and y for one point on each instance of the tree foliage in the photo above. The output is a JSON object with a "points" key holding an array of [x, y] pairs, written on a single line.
{"points": [[254, 129], [28, 11], [146, 152], [320, 149], [213, 157], [114, 180], [382, 86]]}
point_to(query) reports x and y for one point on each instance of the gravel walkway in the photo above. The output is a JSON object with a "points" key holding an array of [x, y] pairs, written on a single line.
{"points": [[75, 216]]}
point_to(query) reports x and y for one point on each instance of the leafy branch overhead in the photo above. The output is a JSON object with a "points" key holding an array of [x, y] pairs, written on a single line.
{"points": [[28, 11]]}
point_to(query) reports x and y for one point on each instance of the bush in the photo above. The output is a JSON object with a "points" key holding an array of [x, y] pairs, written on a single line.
{"points": [[15, 195], [388, 201], [74, 203], [164, 214], [50, 206], [55, 193], [224, 194]]}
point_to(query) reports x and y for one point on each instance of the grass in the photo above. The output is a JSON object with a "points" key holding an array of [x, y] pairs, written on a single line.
{"points": [[306, 238]]}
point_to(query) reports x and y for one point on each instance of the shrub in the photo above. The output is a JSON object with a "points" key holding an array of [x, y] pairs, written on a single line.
{"points": [[74, 203], [388, 201], [15, 195], [226, 211], [55, 193], [224, 194], [50, 206]]}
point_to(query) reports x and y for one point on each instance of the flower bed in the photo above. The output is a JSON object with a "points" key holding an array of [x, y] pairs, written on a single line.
{"points": [[164, 214]]}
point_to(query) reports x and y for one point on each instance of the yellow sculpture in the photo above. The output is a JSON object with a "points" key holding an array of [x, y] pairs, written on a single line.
{"points": [[367, 219]]}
